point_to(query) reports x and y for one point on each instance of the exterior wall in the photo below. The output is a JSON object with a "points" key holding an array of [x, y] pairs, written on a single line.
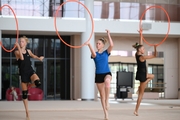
{"points": [[170, 49], [77, 26], [124, 35]]}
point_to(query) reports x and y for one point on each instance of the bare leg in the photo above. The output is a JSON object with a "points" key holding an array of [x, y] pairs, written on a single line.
{"points": [[101, 88], [149, 78], [107, 90], [140, 95], [33, 78], [141, 92], [25, 101]]}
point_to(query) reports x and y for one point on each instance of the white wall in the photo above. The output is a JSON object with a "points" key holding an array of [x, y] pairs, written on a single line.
{"points": [[77, 26]]}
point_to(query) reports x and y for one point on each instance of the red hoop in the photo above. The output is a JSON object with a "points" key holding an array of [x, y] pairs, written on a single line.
{"points": [[17, 30], [57, 29], [140, 28]]}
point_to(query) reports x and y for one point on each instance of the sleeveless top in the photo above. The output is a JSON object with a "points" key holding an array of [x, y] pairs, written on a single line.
{"points": [[141, 66], [24, 65], [101, 62]]}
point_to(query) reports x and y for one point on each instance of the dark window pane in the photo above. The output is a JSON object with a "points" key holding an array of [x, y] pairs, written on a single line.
{"points": [[49, 48], [38, 46], [30, 44], [50, 79], [6, 43]]}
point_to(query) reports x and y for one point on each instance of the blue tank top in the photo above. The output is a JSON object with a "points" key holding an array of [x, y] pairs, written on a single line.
{"points": [[101, 62]]}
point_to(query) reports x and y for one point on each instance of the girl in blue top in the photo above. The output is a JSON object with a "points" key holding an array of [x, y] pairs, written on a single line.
{"points": [[103, 75]]}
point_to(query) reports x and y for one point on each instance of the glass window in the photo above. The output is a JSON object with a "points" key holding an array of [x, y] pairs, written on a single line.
{"points": [[30, 44], [38, 44], [58, 47], [6, 42], [49, 48], [50, 79], [56, 62]]}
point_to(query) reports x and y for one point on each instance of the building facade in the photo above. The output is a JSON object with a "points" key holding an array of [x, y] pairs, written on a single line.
{"points": [[68, 73]]}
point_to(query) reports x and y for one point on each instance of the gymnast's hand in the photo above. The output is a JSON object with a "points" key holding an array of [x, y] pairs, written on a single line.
{"points": [[87, 43], [41, 58], [17, 45], [107, 31]]}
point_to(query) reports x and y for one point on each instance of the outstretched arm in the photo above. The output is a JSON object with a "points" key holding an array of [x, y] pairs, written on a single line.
{"points": [[34, 56], [142, 58], [140, 40], [93, 53], [111, 44]]}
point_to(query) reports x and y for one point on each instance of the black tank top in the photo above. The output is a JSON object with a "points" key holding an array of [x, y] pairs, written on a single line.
{"points": [[141, 66], [24, 65]]}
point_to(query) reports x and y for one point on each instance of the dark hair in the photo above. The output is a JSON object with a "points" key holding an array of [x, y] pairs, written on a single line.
{"points": [[104, 40], [137, 46]]}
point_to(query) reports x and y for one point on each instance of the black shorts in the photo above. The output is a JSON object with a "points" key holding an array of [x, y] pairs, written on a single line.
{"points": [[141, 76], [99, 78], [26, 76]]}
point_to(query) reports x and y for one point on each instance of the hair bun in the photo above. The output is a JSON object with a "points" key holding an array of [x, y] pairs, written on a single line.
{"points": [[104, 40], [136, 45]]}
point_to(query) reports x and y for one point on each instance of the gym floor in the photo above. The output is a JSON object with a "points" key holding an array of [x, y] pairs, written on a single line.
{"points": [[91, 110]]}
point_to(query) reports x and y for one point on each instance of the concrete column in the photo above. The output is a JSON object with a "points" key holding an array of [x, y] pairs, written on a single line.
{"points": [[87, 64], [171, 68], [179, 70], [0, 68]]}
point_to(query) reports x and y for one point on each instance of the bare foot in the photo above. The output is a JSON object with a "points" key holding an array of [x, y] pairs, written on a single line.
{"points": [[135, 113], [106, 115], [27, 118]]}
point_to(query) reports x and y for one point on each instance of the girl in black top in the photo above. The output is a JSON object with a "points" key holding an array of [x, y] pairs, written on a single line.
{"points": [[25, 70], [141, 73]]}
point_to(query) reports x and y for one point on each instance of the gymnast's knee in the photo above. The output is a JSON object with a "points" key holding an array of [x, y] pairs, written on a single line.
{"points": [[24, 94], [107, 83], [37, 83]]}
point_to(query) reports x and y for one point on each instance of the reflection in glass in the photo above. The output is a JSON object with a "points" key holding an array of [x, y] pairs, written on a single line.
{"points": [[53, 71], [50, 79], [49, 48], [38, 46], [6, 42], [102, 9]]}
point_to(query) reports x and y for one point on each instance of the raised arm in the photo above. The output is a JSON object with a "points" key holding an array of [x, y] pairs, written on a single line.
{"points": [[140, 40], [34, 56], [18, 52], [142, 58], [93, 53], [111, 44]]}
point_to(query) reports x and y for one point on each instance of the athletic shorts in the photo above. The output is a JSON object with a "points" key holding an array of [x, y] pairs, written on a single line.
{"points": [[141, 76], [26, 76], [99, 78]]}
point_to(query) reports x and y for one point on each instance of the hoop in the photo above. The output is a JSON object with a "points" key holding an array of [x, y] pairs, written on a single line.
{"points": [[17, 29], [92, 22], [142, 30]]}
